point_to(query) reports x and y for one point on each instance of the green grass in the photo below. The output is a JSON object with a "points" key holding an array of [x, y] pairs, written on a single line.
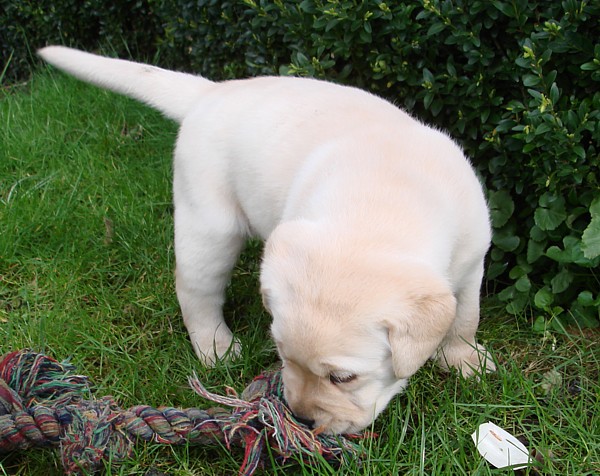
{"points": [[86, 272]]}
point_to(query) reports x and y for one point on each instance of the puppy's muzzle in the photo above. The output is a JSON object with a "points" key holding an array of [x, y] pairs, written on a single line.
{"points": [[305, 421]]}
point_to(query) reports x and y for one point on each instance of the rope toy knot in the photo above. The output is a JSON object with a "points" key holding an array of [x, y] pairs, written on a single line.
{"points": [[44, 404]]}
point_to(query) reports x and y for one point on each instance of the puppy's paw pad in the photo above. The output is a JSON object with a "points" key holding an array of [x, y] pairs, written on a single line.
{"points": [[469, 360], [219, 353], [220, 348]]}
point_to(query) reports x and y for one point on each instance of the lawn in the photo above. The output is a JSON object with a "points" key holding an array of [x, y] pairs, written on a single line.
{"points": [[86, 273]]}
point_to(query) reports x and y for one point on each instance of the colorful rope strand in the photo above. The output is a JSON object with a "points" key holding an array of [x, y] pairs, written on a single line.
{"points": [[44, 404]]}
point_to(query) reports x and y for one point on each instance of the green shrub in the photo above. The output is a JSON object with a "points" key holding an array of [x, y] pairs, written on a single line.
{"points": [[515, 81], [126, 27]]}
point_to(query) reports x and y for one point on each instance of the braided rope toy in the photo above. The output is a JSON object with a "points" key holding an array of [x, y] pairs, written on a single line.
{"points": [[44, 404]]}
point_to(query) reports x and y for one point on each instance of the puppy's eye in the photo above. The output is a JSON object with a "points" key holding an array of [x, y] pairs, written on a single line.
{"points": [[337, 379]]}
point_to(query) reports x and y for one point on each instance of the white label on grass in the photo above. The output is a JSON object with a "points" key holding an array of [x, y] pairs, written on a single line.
{"points": [[499, 447]]}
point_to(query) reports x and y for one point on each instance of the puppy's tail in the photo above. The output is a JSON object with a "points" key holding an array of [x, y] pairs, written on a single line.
{"points": [[170, 92]]}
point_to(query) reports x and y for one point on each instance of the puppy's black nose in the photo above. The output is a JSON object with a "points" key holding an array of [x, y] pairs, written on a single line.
{"points": [[305, 421]]}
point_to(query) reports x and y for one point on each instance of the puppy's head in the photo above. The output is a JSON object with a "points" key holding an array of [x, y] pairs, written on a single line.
{"points": [[351, 324]]}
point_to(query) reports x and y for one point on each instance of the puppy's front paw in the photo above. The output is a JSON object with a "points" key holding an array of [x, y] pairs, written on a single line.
{"points": [[468, 359], [211, 347]]}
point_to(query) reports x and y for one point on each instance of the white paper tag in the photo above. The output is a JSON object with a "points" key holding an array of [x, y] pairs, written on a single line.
{"points": [[499, 447]]}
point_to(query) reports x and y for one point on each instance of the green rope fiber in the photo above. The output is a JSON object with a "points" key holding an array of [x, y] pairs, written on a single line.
{"points": [[43, 403]]}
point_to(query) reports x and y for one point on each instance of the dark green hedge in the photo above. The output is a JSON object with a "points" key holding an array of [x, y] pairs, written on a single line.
{"points": [[121, 26], [515, 81]]}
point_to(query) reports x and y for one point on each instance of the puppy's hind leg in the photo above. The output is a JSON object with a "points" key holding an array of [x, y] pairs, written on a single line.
{"points": [[208, 240], [460, 348]]}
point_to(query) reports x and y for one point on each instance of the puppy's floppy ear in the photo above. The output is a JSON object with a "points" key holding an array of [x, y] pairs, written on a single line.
{"points": [[415, 335]]}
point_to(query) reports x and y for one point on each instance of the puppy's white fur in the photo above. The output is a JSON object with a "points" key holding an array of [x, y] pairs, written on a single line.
{"points": [[376, 229]]}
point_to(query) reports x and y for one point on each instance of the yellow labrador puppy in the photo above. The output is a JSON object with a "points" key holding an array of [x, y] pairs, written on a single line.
{"points": [[376, 229]]}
